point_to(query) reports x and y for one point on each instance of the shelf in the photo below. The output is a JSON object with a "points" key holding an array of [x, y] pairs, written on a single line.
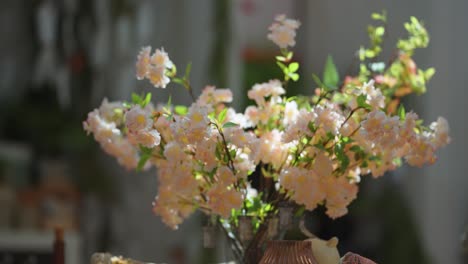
{"points": [[34, 241]]}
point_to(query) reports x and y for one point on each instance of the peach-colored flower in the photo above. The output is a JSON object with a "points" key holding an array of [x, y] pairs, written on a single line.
{"points": [[339, 194], [147, 138], [157, 76], [138, 118], [161, 59], [222, 200], [441, 132], [323, 166], [225, 176], [304, 185], [143, 63], [213, 96], [272, 89], [291, 113], [283, 31]]}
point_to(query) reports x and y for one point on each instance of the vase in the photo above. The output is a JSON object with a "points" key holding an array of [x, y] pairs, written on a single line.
{"points": [[245, 230], [274, 227], [288, 252], [209, 236]]}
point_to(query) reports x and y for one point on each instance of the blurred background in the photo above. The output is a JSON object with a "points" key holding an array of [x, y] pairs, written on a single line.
{"points": [[59, 58]]}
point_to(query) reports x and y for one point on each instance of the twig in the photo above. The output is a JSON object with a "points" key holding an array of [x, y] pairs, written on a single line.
{"points": [[237, 249]]}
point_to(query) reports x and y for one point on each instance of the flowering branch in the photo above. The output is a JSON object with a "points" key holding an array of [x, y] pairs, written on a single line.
{"points": [[206, 151]]}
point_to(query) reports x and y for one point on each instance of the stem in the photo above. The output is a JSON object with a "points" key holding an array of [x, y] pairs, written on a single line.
{"points": [[349, 116], [230, 161], [235, 244], [189, 89], [252, 249], [322, 97], [354, 131]]}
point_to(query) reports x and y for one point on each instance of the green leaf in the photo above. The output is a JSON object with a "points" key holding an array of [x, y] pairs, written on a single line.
{"points": [[173, 72], [145, 150], [300, 211], [380, 31], [211, 116], [141, 163], [232, 153], [362, 53], [397, 161], [361, 101], [342, 157], [188, 69], [179, 81], [331, 77], [401, 112], [376, 16], [169, 102], [317, 81], [147, 100], [382, 16], [218, 152], [346, 140], [429, 73], [280, 58], [293, 67], [222, 115], [136, 99], [230, 124], [181, 110], [364, 164], [312, 127], [320, 146], [282, 66], [355, 148], [369, 53], [294, 76]]}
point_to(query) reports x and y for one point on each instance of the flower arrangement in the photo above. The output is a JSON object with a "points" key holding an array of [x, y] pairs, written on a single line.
{"points": [[311, 151]]}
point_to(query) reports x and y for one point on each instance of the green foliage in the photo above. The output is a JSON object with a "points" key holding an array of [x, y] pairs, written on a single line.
{"points": [[167, 112], [184, 80], [222, 115], [401, 112], [293, 67], [418, 37], [376, 35], [331, 77], [429, 73], [230, 124], [145, 155], [361, 102], [141, 100], [285, 57], [341, 157], [188, 69], [289, 70], [364, 73], [380, 16], [317, 81], [300, 211], [181, 110]]}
